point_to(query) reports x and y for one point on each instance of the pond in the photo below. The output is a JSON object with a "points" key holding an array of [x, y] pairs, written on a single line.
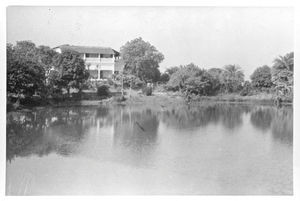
{"points": [[211, 149]]}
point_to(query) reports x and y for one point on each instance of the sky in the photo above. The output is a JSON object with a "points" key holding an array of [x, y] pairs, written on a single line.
{"points": [[207, 36]]}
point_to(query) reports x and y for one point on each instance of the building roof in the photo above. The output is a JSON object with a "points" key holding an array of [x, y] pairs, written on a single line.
{"points": [[88, 49]]}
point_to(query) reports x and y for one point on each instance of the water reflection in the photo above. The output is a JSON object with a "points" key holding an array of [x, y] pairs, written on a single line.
{"points": [[230, 116], [61, 130], [44, 131], [261, 118], [282, 125], [207, 149], [136, 129]]}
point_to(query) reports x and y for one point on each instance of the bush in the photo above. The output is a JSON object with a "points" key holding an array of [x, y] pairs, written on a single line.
{"points": [[137, 83], [129, 80], [110, 82], [147, 91], [261, 77], [247, 89], [103, 90], [164, 78]]}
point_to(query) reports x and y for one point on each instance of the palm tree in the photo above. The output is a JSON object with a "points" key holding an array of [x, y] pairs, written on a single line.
{"points": [[282, 75], [233, 77], [285, 62]]}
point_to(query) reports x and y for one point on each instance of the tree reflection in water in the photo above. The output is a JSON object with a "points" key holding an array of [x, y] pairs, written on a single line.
{"points": [[279, 120], [41, 132], [136, 129], [282, 125], [262, 117], [230, 116], [61, 130]]}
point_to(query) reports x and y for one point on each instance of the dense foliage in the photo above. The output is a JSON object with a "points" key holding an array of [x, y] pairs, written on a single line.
{"points": [[282, 75], [72, 70], [33, 70], [164, 78], [193, 80], [103, 90], [178, 78], [142, 59], [42, 71], [172, 70], [232, 78], [261, 77], [147, 91], [25, 78], [247, 89], [129, 81]]}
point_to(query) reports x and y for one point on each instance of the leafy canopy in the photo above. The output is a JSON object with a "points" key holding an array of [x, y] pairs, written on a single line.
{"points": [[142, 59], [71, 68], [282, 74], [261, 77], [232, 78]]}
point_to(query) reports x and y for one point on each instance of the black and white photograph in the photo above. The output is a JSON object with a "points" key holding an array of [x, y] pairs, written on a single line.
{"points": [[149, 100]]}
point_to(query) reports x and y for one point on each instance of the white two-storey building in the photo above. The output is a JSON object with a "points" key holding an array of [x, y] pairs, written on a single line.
{"points": [[102, 62]]}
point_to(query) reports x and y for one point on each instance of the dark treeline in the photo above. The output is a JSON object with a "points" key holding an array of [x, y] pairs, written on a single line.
{"points": [[192, 80], [41, 71]]}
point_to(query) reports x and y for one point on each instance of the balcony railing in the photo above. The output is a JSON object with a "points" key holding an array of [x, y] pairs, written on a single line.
{"points": [[107, 60], [100, 60], [92, 59]]}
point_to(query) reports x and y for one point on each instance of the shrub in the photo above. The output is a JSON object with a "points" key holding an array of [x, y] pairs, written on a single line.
{"points": [[110, 82], [103, 90], [137, 83], [129, 80], [261, 77], [147, 91], [247, 89], [164, 78], [178, 78]]}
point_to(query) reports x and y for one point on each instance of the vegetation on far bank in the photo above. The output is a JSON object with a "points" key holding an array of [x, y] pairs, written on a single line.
{"points": [[39, 74], [274, 82]]}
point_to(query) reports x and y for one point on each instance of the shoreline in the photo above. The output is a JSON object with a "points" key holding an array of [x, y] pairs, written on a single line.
{"points": [[160, 99]]}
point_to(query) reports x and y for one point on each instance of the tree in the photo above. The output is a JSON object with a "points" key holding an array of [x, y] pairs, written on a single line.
{"points": [[232, 78], [178, 79], [165, 77], [9, 55], [217, 74], [247, 89], [45, 56], [142, 59], [25, 50], [285, 62], [54, 83], [172, 70], [261, 77], [282, 75], [202, 84], [72, 70], [25, 77]]}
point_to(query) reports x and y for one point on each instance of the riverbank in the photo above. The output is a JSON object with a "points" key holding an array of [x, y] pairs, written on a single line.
{"points": [[158, 98], [261, 98]]}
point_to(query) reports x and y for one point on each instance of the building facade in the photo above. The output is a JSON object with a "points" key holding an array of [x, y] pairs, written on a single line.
{"points": [[102, 62]]}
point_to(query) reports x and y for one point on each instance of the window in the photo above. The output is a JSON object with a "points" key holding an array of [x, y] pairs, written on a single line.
{"points": [[90, 55], [106, 55]]}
